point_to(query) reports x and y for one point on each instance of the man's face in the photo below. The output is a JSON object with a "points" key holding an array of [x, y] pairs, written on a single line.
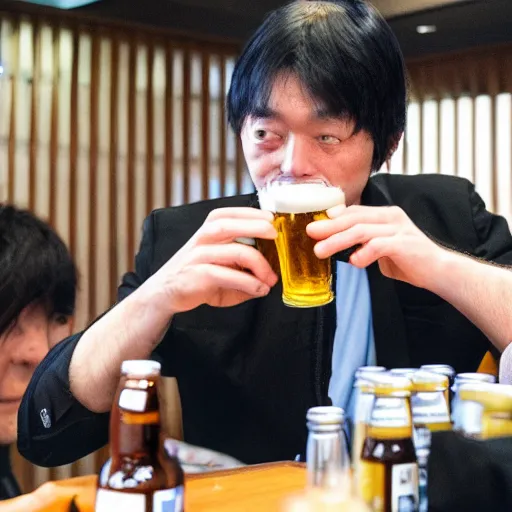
{"points": [[296, 138], [22, 347]]}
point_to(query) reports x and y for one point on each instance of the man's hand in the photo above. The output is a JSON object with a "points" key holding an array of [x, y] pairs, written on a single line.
{"points": [[386, 235], [212, 268]]}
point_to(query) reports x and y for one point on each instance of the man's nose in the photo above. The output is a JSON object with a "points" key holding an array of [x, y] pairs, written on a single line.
{"points": [[298, 158]]}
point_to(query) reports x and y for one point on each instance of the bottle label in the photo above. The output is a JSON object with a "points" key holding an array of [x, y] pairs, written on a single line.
{"points": [[429, 407], [422, 438], [107, 500], [389, 413], [133, 400], [170, 500], [404, 488]]}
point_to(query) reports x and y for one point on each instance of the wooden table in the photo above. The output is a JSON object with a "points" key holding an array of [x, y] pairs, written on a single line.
{"points": [[261, 488], [254, 488]]}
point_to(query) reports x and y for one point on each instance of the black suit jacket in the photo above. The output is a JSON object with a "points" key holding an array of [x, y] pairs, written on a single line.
{"points": [[247, 374], [8, 485]]}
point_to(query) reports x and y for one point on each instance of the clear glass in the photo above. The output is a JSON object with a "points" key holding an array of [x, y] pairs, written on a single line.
{"points": [[328, 463], [296, 203]]}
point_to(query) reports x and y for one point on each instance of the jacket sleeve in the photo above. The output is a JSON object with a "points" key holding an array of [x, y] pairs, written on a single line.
{"points": [[54, 428], [494, 241]]}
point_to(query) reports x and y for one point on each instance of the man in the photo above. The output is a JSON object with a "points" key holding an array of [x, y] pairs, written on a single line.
{"points": [[319, 91], [37, 300]]}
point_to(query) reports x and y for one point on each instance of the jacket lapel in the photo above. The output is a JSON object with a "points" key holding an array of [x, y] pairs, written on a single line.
{"points": [[388, 320]]}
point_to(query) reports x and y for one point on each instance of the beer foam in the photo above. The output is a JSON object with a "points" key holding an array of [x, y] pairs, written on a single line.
{"points": [[300, 198]]}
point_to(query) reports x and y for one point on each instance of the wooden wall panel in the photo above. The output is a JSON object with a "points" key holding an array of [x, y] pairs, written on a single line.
{"points": [[476, 81], [88, 141]]}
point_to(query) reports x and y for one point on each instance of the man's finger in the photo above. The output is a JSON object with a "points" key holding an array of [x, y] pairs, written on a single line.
{"points": [[371, 252], [336, 211], [225, 230], [216, 276], [351, 216], [238, 256], [356, 235]]}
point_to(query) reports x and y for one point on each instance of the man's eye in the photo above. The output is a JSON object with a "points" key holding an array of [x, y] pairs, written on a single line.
{"points": [[329, 139], [260, 134], [61, 319]]}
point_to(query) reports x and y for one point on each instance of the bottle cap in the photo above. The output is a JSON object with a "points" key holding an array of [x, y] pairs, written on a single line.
{"points": [[328, 415], [141, 368]]}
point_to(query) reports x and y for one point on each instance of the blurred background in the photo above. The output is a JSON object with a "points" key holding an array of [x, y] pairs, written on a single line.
{"points": [[111, 108]]}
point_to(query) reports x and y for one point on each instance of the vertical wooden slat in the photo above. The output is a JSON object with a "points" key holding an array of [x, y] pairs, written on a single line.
{"points": [[150, 167], [93, 170], [34, 115], [186, 124], [54, 124], [15, 51], [132, 63], [438, 98], [114, 149], [405, 148], [473, 88], [456, 88], [169, 119], [421, 100], [222, 127], [493, 87], [73, 144], [205, 136], [404, 153]]}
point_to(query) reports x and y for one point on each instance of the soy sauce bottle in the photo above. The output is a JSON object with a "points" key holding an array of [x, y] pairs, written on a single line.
{"points": [[140, 475]]}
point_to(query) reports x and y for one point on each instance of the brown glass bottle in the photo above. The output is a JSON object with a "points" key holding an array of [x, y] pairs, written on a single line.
{"points": [[388, 479], [140, 476]]}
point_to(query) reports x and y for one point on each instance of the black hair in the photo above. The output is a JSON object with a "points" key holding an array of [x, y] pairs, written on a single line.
{"points": [[35, 266], [345, 55]]}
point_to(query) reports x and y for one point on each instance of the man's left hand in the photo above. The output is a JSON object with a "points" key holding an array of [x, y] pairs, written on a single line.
{"points": [[385, 234]]}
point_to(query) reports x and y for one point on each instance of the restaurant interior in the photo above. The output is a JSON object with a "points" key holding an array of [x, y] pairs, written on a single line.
{"points": [[110, 109]]}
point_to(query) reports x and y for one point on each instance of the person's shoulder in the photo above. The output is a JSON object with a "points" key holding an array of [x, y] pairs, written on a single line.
{"points": [[413, 181], [420, 182]]}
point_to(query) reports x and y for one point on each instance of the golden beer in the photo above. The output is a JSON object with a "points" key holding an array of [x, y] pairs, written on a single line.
{"points": [[388, 476], [306, 279]]}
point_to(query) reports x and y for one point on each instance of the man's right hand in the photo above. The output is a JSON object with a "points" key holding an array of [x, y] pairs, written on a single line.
{"points": [[212, 268]]}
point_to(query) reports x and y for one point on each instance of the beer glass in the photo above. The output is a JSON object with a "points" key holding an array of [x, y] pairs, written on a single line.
{"points": [[296, 203]]}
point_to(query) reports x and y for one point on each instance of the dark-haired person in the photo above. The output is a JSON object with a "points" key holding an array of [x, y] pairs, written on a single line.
{"points": [[319, 91], [38, 283]]}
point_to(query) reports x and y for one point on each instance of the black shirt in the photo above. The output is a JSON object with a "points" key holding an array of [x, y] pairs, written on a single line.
{"points": [[8, 485]]}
